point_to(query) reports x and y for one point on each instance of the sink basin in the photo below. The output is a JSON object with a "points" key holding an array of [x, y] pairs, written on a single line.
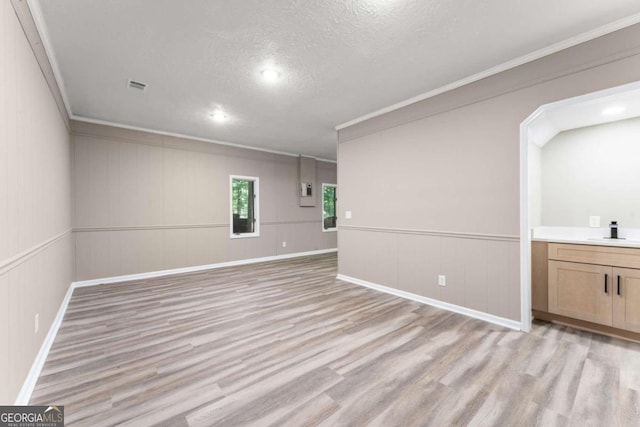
{"points": [[603, 238], [620, 240]]}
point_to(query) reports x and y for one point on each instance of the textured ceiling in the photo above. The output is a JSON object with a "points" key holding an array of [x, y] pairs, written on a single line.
{"points": [[339, 59]]}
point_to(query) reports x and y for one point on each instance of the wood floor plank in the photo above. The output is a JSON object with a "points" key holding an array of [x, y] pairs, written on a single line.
{"points": [[310, 413], [594, 405], [629, 407], [285, 343]]}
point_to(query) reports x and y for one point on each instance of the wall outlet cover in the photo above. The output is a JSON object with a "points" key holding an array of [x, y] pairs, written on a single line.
{"points": [[442, 280], [284, 244], [594, 221], [347, 215]]}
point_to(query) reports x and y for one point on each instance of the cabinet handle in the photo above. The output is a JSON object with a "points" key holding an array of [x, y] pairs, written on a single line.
{"points": [[618, 285], [606, 276]]}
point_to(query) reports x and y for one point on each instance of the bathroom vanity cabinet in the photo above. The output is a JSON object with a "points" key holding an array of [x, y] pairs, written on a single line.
{"points": [[591, 286]]}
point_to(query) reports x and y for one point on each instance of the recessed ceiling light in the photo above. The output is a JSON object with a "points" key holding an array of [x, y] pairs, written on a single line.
{"points": [[612, 111], [270, 75], [218, 116]]}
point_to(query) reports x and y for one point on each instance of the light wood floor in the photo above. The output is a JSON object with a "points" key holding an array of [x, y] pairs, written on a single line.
{"points": [[285, 343]]}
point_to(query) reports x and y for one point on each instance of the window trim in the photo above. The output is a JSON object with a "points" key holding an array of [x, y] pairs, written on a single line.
{"points": [[333, 229], [256, 206]]}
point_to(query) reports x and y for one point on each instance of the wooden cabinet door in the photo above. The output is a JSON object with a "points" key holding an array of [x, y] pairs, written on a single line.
{"points": [[578, 290], [626, 300]]}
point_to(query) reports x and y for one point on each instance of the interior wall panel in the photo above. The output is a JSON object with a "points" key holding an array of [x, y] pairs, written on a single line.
{"points": [[19, 341], [381, 251], [476, 275], [418, 263], [302, 237], [5, 321], [453, 266], [150, 255], [260, 247], [90, 184]]}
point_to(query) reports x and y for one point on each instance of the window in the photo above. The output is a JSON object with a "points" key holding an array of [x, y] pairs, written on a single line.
{"points": [[244, 207], [329, 216]]}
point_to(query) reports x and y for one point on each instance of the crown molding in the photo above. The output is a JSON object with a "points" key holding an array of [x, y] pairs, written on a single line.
{"points": [[541, 53], [41, 27]]}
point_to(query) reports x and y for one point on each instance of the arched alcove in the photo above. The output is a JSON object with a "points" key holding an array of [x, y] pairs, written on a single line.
{"points": [[538, 129]]}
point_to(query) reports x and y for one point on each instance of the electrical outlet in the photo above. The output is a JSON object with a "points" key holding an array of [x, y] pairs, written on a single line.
{"points": [[347, 215], [442, 280], [36, 323], [284, 244], [594, 221]]}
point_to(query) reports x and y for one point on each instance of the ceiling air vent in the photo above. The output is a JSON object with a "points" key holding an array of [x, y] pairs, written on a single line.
{"points": [[132, 84]]}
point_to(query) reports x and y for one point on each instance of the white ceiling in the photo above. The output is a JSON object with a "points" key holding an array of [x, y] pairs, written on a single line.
{"points": [[338, 59], [606, 106]]}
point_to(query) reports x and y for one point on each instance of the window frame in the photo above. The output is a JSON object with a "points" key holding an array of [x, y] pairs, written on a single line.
{"points": [[256, 206], [332, 229]]}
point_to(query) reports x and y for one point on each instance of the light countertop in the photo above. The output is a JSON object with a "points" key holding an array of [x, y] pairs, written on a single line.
{"points": [[586, 236]]}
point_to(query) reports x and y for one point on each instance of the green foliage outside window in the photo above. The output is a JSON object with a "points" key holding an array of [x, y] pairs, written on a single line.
{"points": [[240, 198], [329, 206]]}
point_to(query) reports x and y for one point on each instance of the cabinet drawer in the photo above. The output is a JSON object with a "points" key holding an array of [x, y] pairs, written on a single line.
{"points": [[602, 255]]}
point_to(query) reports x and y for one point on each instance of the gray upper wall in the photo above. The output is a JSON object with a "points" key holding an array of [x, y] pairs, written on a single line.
{"points": [[433, 187], [147, 202]]}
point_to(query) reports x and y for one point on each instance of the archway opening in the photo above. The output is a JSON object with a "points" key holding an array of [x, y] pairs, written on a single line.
{"points": [[546, 122]]}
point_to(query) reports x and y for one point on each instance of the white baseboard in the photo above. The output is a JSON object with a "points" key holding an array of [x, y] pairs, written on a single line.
{"points": [[36, 368], [512, 324], [34, 373], [152, 274]]}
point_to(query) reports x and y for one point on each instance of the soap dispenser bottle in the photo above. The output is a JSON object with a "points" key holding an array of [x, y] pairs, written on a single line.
{"points": [[614, 229]]}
